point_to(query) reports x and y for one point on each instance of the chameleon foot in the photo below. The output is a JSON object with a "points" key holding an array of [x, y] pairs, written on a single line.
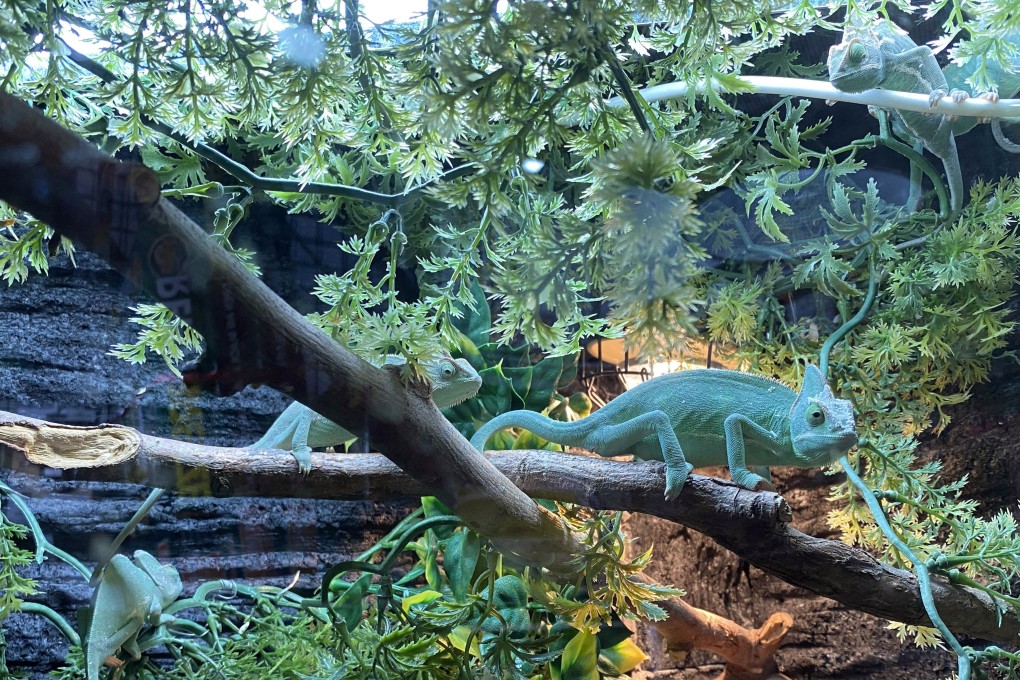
{"points": [[303, 456], [751, 481], [988, 97], [675, 480]]}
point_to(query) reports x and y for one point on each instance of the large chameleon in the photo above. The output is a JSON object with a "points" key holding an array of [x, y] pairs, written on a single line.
{"points": [[700, 418], [881, 55], [299, 429], [1006, 79]]}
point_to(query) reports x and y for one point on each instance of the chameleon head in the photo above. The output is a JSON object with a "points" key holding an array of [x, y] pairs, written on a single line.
{"points": [[453, 381], [855, 66], [821, 426]]}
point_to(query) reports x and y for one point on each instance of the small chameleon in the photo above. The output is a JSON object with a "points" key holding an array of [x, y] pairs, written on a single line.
{"points": [[881, 55], [699, 418], [299, 429], [129, 596]]}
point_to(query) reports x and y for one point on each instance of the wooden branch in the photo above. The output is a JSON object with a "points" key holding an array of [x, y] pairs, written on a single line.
{"points": [[752, 525], [750, 653], [252, 336]]}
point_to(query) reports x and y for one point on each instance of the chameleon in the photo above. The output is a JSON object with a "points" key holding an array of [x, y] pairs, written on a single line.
{"points": [[1007, 83], [299, 429], [881, 55], [129, 596], [705, 417]]}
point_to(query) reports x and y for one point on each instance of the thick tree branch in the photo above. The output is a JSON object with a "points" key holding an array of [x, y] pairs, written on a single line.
{"points": [[252, 336], [752, 525]]}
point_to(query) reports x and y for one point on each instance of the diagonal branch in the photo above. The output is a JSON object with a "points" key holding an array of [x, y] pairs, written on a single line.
{"points": [[115, 210]]}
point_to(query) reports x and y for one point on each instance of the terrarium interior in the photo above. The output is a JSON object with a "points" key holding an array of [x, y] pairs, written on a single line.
{"points": [[315, 317]]}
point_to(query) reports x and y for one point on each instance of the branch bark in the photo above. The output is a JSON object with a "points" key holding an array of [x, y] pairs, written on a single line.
{"points": [[752, 525]]}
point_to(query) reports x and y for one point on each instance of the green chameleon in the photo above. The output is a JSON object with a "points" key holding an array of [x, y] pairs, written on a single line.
{"points": [[881, 55], [1007, 83], [699, 418], [129, 596], [299, 429]]}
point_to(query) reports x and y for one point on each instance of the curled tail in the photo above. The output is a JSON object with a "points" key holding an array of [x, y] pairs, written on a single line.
{"points": [[1002, 140], [558, 432]]}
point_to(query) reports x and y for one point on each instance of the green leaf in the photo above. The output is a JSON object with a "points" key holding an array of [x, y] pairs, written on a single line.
{"points": [[350, 606], [546, 377], [421, 597], [460, 557], [496, 393], [580, 658], [475, 323], [623, 657], [431, 562], [528, 440], [520, 383], [434, 507], [769, 202], [459, 636]]}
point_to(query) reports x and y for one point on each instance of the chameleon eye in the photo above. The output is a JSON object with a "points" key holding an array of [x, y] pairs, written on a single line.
{"points": [[815, 416], [447, 369], [858, 54]]}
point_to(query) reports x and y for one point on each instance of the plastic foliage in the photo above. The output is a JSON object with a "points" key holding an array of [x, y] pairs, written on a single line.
{"points": [[431, 599], [781, 225], [13, 586], [509, 378]]}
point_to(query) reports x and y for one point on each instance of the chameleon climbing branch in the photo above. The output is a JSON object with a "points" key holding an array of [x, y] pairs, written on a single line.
{"points": [[924, 582]]}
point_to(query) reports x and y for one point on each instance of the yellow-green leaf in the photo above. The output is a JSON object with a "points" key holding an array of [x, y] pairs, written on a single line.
{"points": [[580, 660], [458, 638], [424, 597], [624, 656]]}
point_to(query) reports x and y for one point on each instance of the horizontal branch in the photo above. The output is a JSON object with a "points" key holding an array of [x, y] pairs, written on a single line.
{"points": [[822, 89], [752, 525]]}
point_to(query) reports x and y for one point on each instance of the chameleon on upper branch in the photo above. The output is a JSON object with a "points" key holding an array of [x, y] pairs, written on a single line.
{"points": [[699, 418], [881, 55], [299, 429], [1006, 80]]}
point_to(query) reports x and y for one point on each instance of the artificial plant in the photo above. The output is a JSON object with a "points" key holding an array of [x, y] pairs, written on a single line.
{"points": [[478, 145]]}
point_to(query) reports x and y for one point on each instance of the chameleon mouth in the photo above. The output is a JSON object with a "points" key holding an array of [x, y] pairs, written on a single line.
{"points": [[461, 400], [837, 444], [854, 81]]}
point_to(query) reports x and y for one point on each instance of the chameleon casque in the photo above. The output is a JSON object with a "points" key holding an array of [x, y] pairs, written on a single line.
{"points": [[699, 418], [881, 55], [299, 429]]}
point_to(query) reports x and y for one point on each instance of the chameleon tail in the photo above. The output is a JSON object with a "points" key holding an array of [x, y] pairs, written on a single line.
{"points": [[1002, 139], [556, 431], [955, 177]]}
